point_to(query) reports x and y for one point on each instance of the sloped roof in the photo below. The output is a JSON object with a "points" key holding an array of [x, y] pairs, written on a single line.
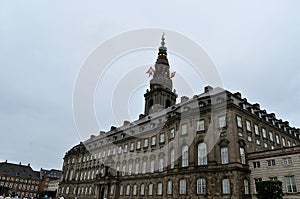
{"points": [[18, 170], [53, 173]]}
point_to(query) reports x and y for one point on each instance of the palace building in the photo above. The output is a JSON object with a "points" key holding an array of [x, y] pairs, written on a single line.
{"points": [[197, 148]]}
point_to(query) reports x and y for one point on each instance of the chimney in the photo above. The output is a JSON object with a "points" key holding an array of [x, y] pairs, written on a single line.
{"points": [[208, 89], [126, 122], [184, 99]]}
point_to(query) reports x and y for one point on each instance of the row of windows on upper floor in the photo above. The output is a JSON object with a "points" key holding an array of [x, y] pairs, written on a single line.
{"points": [[201, 188], [263, 129], [284, 141], [272, 120], [139, 144], [146, 168], [19, 186], [286, 161], [19, 180]]}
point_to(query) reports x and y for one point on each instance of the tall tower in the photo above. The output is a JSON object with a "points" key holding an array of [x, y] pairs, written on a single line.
{"points": [[160, 95]]}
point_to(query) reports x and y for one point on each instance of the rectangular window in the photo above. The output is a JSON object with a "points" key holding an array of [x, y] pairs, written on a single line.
{"points": [[170, 187], [182, 186], [271, 136], [287, 161], [264, 133], [246, 186], [201, 186], [125, 148], [256, 129], [239, 121], [120, 150], [271, 162], [258, 142], [183, 129], [159, 189], [277, 139], [153, 141], [138, 145], [225, 186], [242, 155], [265, 145], [290, 184], [256, 164], [283, 141], [249, 138], [248, 125], [146, 142], [162, 138], [172, 133], [224, 155], [132, 146], [200, 125], [222, 121]]}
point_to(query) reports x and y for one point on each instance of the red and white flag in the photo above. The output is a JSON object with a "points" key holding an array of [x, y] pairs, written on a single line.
{"points": [[172, 74], [150, 71]]}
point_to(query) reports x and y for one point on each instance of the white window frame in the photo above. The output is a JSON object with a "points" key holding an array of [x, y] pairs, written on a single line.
{"points": [[202, 153], [222, 121], [248, 125], [184, 129], [182, 186], [201, 125], [185, 155], [170, 187], [159, 189], [225, 186], [201, 186], [239, 122], [224, 155]]}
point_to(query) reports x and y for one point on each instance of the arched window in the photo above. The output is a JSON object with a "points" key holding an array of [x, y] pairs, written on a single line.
{"points": [[130, 168], [137, 168], [144, 169], [161, 164], [185, 155], [124, 169], [128, 190], [152, 166], [202, 154], [159, 189], [142, 191]]}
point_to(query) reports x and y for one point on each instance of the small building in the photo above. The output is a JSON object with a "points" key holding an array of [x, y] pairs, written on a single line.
{"points": [[19, 179], [281, 164]]}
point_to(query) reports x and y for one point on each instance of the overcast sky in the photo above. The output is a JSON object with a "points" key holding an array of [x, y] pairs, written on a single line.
{"points": [[254, 45]]}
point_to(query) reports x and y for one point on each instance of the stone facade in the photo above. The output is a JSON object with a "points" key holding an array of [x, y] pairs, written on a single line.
{"points": [[197, 148]]}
